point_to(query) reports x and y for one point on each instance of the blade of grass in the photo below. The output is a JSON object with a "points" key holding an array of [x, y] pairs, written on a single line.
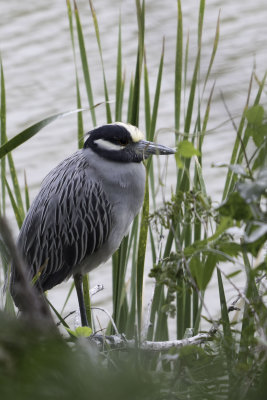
{"points": [[213, 53], [157, 96], [152, 122], [119, 79], [80, 130], [141, 255], [68, 296], [200, 21], [87, 301], [178, 68], [18, 216], [147, 99], [63, 322], [238, 149], [28, 133], [3, 138], [97, 34], [248, 325], [228, 339], [85, 66], [119, 266], [190, 104], [130, 101], [27, 196], [134, 114], [131, 321]]}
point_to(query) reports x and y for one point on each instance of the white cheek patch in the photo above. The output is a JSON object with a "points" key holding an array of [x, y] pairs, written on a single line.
{"points": [[106, 145]]}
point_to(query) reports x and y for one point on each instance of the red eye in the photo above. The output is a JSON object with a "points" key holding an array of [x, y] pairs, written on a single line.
{"points": [[122, 142]]}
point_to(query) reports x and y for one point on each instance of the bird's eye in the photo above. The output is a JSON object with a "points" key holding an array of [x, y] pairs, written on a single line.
{"points": [[122, 142]]}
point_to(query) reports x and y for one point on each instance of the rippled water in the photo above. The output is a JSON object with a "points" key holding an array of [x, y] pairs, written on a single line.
{"points": [[38, 62]]}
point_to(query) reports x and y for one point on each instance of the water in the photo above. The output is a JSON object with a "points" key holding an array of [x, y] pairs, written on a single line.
{"points": [[39, 72]]}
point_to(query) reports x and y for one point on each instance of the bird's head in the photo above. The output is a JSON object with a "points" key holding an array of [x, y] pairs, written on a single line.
{"points": [[123, 143]]}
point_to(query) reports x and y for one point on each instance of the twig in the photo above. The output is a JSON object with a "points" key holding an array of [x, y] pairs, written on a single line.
{"points": [[121, 343], [96, 289]]}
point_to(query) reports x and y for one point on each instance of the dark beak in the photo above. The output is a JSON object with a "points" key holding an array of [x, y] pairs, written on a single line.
{"points": [[150, 148]]}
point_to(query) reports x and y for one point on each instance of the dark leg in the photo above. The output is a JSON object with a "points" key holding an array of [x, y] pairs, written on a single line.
{"points": [[78, 280]]}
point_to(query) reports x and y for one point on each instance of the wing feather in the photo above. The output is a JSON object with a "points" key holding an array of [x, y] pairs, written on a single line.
{"points": [[69, 220]]}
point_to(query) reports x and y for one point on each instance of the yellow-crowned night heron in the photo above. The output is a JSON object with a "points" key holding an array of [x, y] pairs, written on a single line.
{"points": [[84, 208]]}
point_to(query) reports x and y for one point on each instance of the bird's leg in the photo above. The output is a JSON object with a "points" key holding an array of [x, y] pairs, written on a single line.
{"points": [[78, 280]]}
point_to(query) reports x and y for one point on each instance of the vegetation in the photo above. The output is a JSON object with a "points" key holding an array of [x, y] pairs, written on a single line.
{"points": [[190, 241]]}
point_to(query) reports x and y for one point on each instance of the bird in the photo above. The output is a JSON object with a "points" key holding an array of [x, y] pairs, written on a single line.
{"points": [[84, 209]]}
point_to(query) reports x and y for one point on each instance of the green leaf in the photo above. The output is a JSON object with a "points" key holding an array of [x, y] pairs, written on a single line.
{"points": [[28, 133], [251, 191], [208, 269], [258, 133], [187, 150], [235, 207], [81, 331], [231, 249], [179, 161], [254, 115]]}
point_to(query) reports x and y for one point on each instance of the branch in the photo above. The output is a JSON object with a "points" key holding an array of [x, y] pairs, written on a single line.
{"points": [[121, 343], [96, 289]]}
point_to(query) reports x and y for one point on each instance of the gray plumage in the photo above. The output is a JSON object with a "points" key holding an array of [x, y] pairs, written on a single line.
{"points": [[84, 208]]}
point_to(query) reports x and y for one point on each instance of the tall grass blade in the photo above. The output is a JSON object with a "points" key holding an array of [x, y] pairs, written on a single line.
{"points": [[248, 326], [16, 187], [214, 50], [108, 111], [80, 130], [85, 66], [141, 255], [28, 133], [18, 216], [119, 265], [147, 99], [238, 150], [133, 304], [178, 68], [119, 79], [67, 297], [86, 296], [152, 123], [157, 96], [27, 195], [63, 322], [134, 115], [3, 138], [130, 101], [200, 21], [228, 339], [190, 104]]}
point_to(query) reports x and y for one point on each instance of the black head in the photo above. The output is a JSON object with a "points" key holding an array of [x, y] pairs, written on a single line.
{"points": [[122, 143]]}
